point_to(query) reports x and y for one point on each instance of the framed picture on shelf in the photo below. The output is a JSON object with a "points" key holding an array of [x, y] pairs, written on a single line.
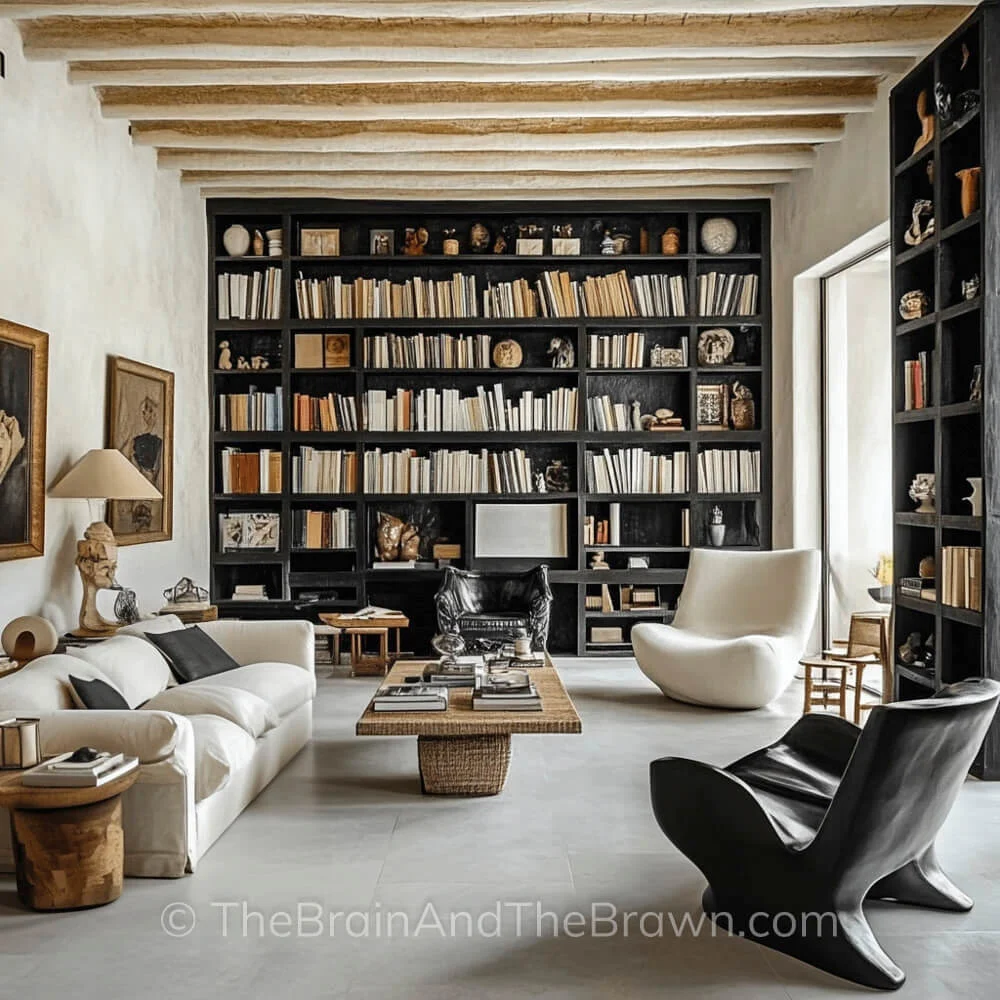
{"points": [[259, 531], [141, 427], [320, 243], [337, 350], [382, 242], [24, 379]]}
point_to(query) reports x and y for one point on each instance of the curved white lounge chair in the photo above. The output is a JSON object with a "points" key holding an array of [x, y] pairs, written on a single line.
{"points": [[742, 623]]}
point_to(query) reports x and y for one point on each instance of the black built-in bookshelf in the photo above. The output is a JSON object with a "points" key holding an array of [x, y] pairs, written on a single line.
{"points": [[948, 436], [650, 524]]}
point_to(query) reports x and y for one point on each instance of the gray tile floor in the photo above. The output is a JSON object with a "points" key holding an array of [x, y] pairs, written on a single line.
{"points": [[345, 830]]}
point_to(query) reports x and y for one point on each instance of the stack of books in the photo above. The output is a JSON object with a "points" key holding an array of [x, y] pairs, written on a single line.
{"points": [[962, 577], [917, 381], [505, 691], [411, 698], [249, 592], [59, 772], [250, 411], [458, 673], [256, 295], [923, 587]]}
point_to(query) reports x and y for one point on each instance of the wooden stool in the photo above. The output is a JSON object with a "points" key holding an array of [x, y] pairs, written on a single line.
{"points": [[365, 664], [821, 691]]}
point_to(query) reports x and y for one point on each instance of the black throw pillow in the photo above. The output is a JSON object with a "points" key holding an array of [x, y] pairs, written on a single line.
{"points": [[192, 653], [97, 694]]}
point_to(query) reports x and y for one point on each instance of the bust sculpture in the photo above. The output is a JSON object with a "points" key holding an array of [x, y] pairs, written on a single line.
{"points": [[97, 561]]}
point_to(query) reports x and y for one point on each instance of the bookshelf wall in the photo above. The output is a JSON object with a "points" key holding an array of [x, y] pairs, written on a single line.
{"points": [[655, 523], [940, 422]]}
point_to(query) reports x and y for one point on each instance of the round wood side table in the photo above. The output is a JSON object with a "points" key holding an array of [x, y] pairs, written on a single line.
{"points": [[69, 848]]}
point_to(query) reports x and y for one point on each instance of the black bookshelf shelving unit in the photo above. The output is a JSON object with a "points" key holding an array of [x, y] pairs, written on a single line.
{"points": [[948, 437], [651, 523]]}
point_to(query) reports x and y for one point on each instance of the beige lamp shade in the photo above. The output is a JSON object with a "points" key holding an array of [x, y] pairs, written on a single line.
{"points": [[104, 474]]}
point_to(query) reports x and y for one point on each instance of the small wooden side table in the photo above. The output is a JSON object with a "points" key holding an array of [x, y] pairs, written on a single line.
{"points": [[397, 621], [69, 847]]}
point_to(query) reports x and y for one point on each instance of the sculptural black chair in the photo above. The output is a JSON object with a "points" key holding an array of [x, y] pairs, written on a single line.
{"points": [[486, 608], [806, 829]]}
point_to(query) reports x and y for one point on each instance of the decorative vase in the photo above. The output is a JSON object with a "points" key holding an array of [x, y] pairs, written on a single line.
{"points": [[717, 535], [236, 240], [719, 235], [970, 189], [274, 242], [744, 414], [976, 500], [923, 491], [670, 242], [450, 248], [258, 243]]}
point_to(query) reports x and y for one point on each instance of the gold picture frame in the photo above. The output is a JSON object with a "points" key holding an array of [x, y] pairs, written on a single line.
{"points": [[141, 426], [24, 382]]}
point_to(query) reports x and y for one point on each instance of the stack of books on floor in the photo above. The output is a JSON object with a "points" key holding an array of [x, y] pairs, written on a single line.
{"points": [[505, 691], [60, 772], [249, 592], [411, 698], [962, 577]]}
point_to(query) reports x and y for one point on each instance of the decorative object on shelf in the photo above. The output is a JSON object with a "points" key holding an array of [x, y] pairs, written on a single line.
{"points": [[337, 350], [445, 552], [742, 408], [530, 240], [450, 246], [976, 386], [557, 477], [666, 357], [597, 560], [643, 240], [126, 606], [914, 304], [971, 287], [922, 492], [637, 562], [607, 244], [975, 500], [911, 653], [396, 539], [930, 172], [225, 362], [715, 346], [970, 178], [319, 242], [258, 243], [564, 244], [24, 362], [449, 646], [20, 746], [562, 353], [275, 244], [967, 103], [716, 527], [670, 242], [637, 418], [242, 364], [943, 103], [479, 238], [883, 573], [141, 427], [540, 483], [382, 242], [508, 354], [719, 235], [926, 568], [236, 240], [927, 121], [917, 232], [664, 419], [500, 243], [28, 637], [711, 407], [185, 591], [258, 362], [101, 475], [415, 241], [623, 243]]}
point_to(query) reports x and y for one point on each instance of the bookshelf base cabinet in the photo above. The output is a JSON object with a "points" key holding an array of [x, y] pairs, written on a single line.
{"points": [[599, 412], [945, 382]]}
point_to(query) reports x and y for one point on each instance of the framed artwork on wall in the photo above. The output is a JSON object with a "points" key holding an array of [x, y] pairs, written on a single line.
{"points": [[141, 427], [24, 380]]}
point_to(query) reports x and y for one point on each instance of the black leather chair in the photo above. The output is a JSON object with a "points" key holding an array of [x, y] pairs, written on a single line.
{"points": [[825, 818], [487, 608]]}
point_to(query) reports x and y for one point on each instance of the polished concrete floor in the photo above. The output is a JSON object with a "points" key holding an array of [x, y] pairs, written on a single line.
{"points": [[344, 830]]}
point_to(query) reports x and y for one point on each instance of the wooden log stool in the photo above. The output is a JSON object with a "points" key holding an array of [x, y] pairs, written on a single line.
{"points": [[369, 663]]}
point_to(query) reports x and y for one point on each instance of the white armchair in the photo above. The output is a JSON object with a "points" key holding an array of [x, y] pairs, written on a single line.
{"points": [[743, 621]]}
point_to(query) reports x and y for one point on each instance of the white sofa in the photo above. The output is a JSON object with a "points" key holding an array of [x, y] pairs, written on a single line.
{"points": [[199, 769], [742, 623]]}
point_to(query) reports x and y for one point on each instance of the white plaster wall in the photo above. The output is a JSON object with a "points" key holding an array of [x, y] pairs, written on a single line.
{"points": [[106, 254]]}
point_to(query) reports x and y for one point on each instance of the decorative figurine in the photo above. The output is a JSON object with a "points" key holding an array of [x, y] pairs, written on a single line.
{"points": [[636, 415], [225, 357], [623, 243], [450, 247], [259, 362], [500, 243], [597, 560], [943, 102], [563, 242], [922, 492], [557, 477], [910, 653], [976, 386], [975, 500], [662, 420], [717, 528], [242, 364], [395, 539], [670, 242], [970, 178], [927, 121], [719, 236], [126, 606], [971, 287], [608, 244], [715, 346], [530, 240], [540, 483], [742, 408], [914, 305], [415, 242], [479, 238], [508, 354], [562, 353], [917, 233]]}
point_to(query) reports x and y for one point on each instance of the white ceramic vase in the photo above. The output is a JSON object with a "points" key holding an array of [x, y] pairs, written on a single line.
{"points": [[717, 535], [236, 240]]}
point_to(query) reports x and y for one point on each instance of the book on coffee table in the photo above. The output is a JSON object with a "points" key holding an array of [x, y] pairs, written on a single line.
{"points": [[52, 775], [411, 698], [505, 691]]}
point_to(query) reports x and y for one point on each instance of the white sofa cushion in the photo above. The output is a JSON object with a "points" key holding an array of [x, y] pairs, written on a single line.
{"points": [[243, 708], [134, 666], [150, 736], [220, 749], [281, 685], [43, 685], [160, 623]]}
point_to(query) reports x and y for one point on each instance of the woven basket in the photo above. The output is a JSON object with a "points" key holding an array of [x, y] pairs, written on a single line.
{"points": [[464, 765]]}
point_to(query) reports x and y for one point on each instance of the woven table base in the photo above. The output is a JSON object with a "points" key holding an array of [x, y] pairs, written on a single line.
{"points": [[463, 765]]}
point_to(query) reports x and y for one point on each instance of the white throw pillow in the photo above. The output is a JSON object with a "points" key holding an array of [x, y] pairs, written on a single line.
{"points": [[220, 750], [136, 667], [248, 711]]}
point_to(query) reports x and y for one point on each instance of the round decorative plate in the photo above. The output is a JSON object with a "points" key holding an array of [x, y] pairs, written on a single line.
{"points": [[508, 354], [718, 235], [715, 346]]}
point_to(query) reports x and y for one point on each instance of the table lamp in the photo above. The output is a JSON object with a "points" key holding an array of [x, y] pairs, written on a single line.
{"points": [[102, 474]]}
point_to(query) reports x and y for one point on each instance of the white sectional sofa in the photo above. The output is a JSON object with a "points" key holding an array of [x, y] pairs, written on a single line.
{"points": [[205, 756]]}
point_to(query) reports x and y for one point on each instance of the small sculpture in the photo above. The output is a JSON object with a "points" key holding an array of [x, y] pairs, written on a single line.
{"points": [[719, 236], [381, 243], [236, 240], [916, 233], [943, 102], [259, 362], [415, 242], [717, 527], [185, 591], [715, 346], [225, 356], [662, 420], [500, 243], [409, 543], [910, 653], [970, 178], [563, 230], [258, 243], [479, 238], [242, 364], [562, 353], [914, 305], [971, 287], [623, 243], [450, 645], [597, 560], [922, 492], [556, 477], [450, 246], [636, 415], [508, 354], [976, 386], [540, 483], [97, 562], [608, 244], [670, 242], [742, 408], [126, 606], [975, 500], [927, 121], [395, 539]]}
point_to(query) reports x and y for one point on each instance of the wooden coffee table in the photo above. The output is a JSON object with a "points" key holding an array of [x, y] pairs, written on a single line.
{"points": [[463, 752], [69, 848]]}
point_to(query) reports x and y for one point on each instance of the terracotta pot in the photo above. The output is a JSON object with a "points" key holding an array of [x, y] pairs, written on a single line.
{"points": [[670, 242], [970, 189]]}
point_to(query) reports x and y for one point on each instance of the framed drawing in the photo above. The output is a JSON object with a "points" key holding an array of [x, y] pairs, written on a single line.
{"points": [[522, 531], [141, 427], [24, 380]]}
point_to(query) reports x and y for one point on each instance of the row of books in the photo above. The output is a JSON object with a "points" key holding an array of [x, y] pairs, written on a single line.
{"points": [[317, 471], [962, 576], [448, 471], [251, 471], [917, 381], [422, 350], [252, 410], [727, 294], [635, 470], [606, 531], [260, 530], [619, 350], [324, 529], [447, 410], [734, 470], [253, 295], [330, 413], [605, 415], [379, 298]]}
